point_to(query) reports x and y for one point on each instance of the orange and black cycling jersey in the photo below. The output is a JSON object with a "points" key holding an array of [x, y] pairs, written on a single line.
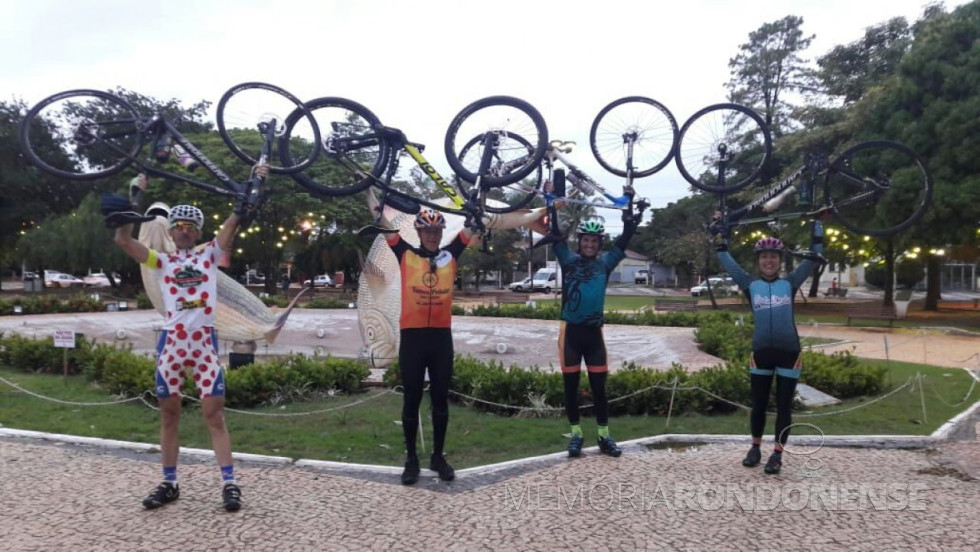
{"points": [[427, 282]]}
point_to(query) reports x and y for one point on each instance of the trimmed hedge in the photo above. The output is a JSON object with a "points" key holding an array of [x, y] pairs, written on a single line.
{"points": [[120, 371]]}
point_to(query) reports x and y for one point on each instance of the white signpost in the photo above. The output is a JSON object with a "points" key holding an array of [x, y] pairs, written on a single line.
{"points": [[66, 340]]}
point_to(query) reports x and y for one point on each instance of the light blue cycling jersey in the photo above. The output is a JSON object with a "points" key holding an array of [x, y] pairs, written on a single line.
{"points": [[772, 303], [583, 290]]}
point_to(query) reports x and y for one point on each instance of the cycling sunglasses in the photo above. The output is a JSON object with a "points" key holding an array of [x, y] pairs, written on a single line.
{"points": [[184, 225]]}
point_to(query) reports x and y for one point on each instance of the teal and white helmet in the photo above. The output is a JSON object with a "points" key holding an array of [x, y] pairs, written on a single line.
{"points": [[592, 227], [188, 213]]}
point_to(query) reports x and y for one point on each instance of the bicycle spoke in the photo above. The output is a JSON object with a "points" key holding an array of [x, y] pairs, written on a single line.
{"points": [[878, 188], [508, 126], [637, 127], [353, 155], [513, 196], [243, 115], [81, 134], [723, 148]]}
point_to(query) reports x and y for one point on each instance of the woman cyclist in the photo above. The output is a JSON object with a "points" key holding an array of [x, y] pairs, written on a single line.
{"points": [[775, 344]]}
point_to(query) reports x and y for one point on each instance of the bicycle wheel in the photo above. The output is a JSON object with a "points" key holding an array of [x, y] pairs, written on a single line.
{"points": [[81, 134], [244, 109], [723, 148], [497, 119], [878, 188], [645, 124], [350, 143], [515, 195]]}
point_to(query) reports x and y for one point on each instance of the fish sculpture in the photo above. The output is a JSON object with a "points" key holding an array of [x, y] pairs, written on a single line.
{"points": [[379, 289], [240, 316]]}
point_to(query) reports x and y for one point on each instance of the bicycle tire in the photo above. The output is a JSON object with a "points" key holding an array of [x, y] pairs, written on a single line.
{"points": [[81, 134], [501, 117], [878, 188], [648, 122], [244, 107], [341, 121], [725, 128], [515, 195]]}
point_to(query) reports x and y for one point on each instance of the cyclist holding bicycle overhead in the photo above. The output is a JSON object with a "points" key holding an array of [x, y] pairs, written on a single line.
{"points": [[583, 294], [188, 344], [775, 344], [427, 276]]}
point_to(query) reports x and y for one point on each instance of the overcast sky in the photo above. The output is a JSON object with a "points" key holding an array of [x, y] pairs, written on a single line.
{"points": [[417, 63]]}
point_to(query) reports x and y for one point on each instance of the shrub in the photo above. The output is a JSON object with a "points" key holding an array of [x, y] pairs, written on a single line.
{"points": [[910, 272], [725, 337], [40, 355], [124, 373], [291, 378], [842, 375], [276, 301], [328, 303]]}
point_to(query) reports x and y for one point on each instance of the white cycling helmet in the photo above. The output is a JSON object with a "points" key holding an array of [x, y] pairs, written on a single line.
{"points": [[159, 209], [188, 213]]}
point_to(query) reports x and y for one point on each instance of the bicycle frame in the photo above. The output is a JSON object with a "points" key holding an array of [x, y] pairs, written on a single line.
{"points": [[814, 165], [582, 181], [161, 127], [398, 142]]}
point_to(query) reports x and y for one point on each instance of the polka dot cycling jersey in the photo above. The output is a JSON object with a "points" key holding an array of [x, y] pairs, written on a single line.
{"points": [[189, 283]]}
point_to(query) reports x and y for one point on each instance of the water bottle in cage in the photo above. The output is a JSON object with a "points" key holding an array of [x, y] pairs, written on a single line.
{"points": [[161, 149], [185, 158]]}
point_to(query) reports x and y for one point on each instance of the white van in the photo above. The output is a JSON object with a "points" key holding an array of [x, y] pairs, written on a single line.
{"points": [[547, 279]]}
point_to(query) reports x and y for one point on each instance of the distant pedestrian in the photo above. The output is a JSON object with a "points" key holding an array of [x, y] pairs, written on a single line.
{"points": [[285, 284]]}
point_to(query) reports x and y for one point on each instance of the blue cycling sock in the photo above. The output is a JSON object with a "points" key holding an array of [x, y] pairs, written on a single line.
{"points": [[170, 474], [227, 474]]}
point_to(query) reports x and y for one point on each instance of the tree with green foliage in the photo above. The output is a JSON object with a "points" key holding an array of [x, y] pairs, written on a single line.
{"points": [[849, 71], [931, 105], [769, 68]]}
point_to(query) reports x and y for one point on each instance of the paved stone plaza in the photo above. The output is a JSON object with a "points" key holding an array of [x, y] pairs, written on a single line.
{"points": [[57, 495]]}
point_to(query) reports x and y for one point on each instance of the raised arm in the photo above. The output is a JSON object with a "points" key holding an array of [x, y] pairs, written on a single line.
{"points": [[374, 206], [805, 268], [124, 239], [226, 235], [720, 232]]}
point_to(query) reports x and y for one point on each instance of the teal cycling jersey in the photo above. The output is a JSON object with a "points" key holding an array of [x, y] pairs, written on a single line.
{"points": [[583, 290], [772, 303]]}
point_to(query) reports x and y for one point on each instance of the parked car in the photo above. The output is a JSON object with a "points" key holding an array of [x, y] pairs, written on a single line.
{"points": [[642, 276], [322, 280], [720, 286], [28, 275], [99, 279], [523, 285], [60, 280], [252, 276]]}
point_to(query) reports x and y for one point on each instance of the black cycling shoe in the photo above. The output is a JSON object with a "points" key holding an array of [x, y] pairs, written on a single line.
{"points": [[608, 446], [165, 493], [575, 446], [774, 464], [438, 464], [753, 458], [231, 497], [411, 473]]}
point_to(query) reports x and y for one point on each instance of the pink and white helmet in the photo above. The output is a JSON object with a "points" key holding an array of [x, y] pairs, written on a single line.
{"points": [[769, 244]]}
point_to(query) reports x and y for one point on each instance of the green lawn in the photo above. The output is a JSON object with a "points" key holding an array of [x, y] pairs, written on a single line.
{"points": [[369, 432]]}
